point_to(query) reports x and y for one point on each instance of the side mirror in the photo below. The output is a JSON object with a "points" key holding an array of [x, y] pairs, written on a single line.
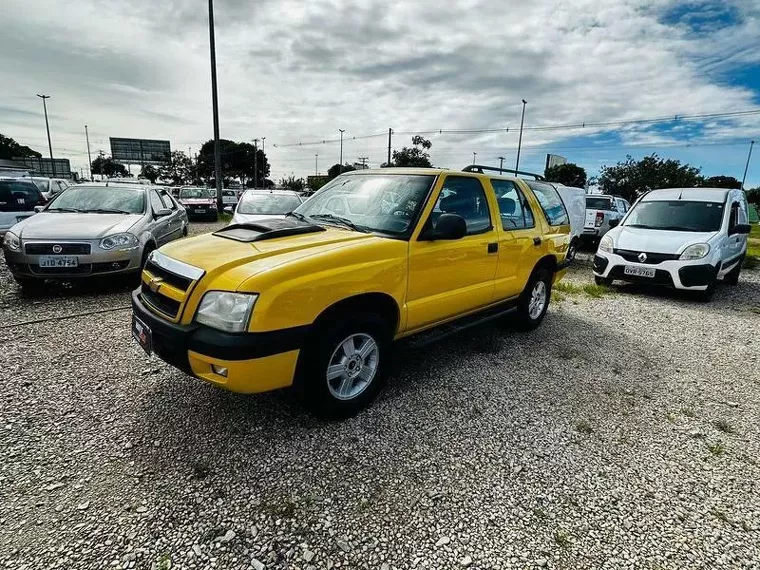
{"points": [[741, 229], [449, 226], [38, 209], [614, 223], [163, 212]]}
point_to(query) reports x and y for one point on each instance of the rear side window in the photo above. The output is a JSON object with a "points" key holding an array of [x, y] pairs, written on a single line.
{"points": [[551, 203], [514, 211], [168, 202], [18, 196]]}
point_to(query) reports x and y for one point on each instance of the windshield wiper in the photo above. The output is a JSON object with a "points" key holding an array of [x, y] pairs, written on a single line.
{"points": [[105, 211], [297, 216], [75, 210], [341, 220]]}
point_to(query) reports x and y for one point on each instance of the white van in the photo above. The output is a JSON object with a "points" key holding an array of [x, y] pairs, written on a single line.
{"points": [[575, 203], [685, 238]]}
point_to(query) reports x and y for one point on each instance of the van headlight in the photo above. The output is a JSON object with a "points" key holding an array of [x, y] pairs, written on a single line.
{"points": [[118, 242], [695, 251], [226, 311], [606, 244], [12, 241]]}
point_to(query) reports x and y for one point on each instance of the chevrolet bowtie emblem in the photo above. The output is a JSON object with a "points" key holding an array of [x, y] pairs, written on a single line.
{"points": [[155, 283]]}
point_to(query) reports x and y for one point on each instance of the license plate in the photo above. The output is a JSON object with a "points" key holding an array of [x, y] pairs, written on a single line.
{"points": [[59, 261], [200, 210], [142, 334], [639, 271]]}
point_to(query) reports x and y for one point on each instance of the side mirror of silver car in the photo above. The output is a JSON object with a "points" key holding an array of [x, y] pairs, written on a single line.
{"points": [[38, 209]]}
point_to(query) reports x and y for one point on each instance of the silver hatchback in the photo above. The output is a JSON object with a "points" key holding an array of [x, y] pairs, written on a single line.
{"points": [[93, 230]]}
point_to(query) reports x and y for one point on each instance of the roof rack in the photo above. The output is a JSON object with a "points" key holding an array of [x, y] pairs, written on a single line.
{"points": [[480, 168]]}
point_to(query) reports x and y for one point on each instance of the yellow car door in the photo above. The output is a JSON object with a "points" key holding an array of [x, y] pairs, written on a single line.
{"points": [[449, 278]]}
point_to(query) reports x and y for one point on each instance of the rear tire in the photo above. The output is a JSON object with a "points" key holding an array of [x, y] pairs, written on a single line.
{"points": [[534, 301], [605, 281], [344, 364], [732, 277]]}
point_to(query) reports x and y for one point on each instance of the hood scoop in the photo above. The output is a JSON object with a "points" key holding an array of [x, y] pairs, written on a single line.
{"points": [[261, 230]]}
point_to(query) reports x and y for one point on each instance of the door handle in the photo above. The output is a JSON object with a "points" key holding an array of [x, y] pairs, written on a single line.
{"points": [[493, 247], [536, 241]]}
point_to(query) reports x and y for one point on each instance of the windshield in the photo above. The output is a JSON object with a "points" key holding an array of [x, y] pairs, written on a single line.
{"points": [[386, 203], [676, 215], [196, 193], [100, 198], [598, 203], [18, 196], [268, 204]]}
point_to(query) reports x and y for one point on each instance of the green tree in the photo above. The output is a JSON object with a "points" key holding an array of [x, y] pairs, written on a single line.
{"points": [[415, 155], [568, 174], [632, 178], [721, 182], [149, 172], [335, 170], [179, 169], [293, 183], [238, 161], [753, 197], [107, 166], [10, 149]]}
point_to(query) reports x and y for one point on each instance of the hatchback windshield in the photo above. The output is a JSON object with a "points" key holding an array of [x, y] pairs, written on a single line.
{"points": [[676, 215], [100, 199], [386, 203], [196, 193], [268, 204], [598, 203], [17, 195]]}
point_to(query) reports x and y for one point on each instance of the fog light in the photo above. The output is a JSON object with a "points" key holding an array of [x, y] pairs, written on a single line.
{"points": [[221, 370]]}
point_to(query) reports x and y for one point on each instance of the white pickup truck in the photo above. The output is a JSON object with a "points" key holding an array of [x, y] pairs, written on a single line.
{"points": [[600, 210]]}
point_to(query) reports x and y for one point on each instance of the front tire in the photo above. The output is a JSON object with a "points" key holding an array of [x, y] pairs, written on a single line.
{"points": [[344, 365], [534, 301], [732, 277], [30, 286]]}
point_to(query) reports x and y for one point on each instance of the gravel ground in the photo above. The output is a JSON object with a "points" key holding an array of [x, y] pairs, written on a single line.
{"points": [[621, 434]]}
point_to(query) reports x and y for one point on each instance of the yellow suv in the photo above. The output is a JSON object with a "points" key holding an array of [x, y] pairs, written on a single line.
{"points": [[315, 298]]}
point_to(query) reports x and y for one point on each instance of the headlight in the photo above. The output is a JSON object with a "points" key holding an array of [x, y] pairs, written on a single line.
{"points": [[226, 311], [118, 242], [606, 244], [696, 251], [12, 241]]}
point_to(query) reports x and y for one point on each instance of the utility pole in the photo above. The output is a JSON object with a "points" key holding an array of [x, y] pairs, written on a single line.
{"points": [[47, 126], [340, 170], [89, 157], [474, 154], [255, 162], [746, 167], [215, 109], [519, 142], [390, 132], [501, 163], [316, 169]]}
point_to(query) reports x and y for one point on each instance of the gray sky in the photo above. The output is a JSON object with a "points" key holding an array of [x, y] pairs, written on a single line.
{"points": [[299, 70]]}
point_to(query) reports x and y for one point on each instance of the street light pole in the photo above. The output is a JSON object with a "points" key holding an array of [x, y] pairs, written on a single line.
{"points": [[746, 166], [474, 154], [340, 170], [89, 156], [255, 163], [501, 163], [519, 142], [47, 126], [316, 169], [215, 109]]}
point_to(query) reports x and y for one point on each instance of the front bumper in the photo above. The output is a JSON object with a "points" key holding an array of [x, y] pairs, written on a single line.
{"points": [[255, 362], [96, 262], [693, 275]]}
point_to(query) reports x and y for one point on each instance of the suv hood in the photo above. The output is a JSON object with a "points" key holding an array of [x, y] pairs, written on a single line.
{"points": [[74, 226], [656, 241]]}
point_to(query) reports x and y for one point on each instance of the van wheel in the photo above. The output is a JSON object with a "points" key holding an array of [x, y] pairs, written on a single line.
{"points": [[344, 365], [732, 277], [534, 301]]}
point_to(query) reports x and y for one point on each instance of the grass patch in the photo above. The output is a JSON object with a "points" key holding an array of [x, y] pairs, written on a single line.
{"points": [[596, 291], [688, 411], [724, 426], [716, 448], [720, 515], [582, 426], [567, 287], [557, 297], [671, 417], [540, 513], [562, 538], [590, 289], [164, 562], [752, 261], [285, 509], [225, 217]]}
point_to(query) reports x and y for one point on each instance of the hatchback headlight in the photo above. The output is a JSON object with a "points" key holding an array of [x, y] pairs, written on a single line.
{"points": [[226, 311], [12, 241], [695, 251], [118, 242], [606, 244]]}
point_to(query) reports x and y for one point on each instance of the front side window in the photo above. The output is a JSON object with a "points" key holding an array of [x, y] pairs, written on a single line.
{"points": [[551, 203], [465, 197], [514, 210], [155, 202], [385, 203], [267, 204], [100, 199], [676, 215], [167, 201]]}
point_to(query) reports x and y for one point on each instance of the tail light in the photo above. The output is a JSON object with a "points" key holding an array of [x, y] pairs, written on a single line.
{"points": [[599, 219]]}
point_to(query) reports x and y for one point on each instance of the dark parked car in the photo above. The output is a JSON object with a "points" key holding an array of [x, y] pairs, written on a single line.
{"points": [[18, 197]]}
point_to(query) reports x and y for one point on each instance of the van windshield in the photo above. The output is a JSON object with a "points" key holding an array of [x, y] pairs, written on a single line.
{"points": [[676, 215]]}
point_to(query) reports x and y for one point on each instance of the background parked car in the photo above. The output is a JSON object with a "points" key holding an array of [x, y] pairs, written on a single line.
{"points": [[199, 202], [600, 210], [50, 186], [18, 198], [92, 230], [255, 205], [575, 202]]}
